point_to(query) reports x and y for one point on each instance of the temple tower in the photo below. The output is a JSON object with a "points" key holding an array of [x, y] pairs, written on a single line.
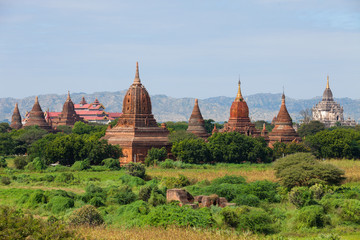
{"points": [[16, 118], [137, 131], [330, 112], [36, 117], [197, 123], [283, 130], [68, 116], [239, 120]]}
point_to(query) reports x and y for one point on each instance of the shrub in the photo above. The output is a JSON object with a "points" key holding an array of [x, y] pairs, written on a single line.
{"points": [[5, 180], [86, 215], [135, 169], [191, 151], [301, 196], [97, 202], [3, 163], [167, 215], [131, 180], [111, 163], [247, 199], [38, 164], [311, 216], [232, 179], [168, 163], [36, 198], [122, 195], [59, 204], [172, 182], [132, 214], [155, 154], [92, 191], [20, 162], [156, 197], [350, 210], [80, 165], [65, 178], [144, 193], [302, 169], [264, 190], [317, 191]]}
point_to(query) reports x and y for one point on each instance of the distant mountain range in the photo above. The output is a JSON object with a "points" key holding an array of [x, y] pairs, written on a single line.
{"points": [[262, 106]]}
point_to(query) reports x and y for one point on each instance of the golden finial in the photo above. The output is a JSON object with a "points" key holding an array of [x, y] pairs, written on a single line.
{"points": [[327, 85], [239, 97]]}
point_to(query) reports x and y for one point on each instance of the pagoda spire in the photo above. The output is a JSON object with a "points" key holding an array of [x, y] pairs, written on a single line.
{"points": [[239, 96], [16, 118], [327, 84], [137, 76], [68, 96]]}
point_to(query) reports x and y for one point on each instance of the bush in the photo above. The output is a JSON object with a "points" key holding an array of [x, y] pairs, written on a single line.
{"points": [[20, 162], [59, 204], [191, 151], [229, 179], [155, 155], [65, 178], [122, 195], [38, 164], [135, 169], [80, 165], [36, 198], [132, 181], [247, 199], [111, 163], [86, 215], [3, 163], [156, 197], [301, 196], [5, 180], [92, 191], [97, 202], [302, 169], [172, 182], [145, 193], [132, 214], [168, 163], [311, 216], [350, 210]]}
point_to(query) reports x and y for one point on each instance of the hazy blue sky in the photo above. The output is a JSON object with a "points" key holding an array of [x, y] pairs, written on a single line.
{"points": [[185, 48]]}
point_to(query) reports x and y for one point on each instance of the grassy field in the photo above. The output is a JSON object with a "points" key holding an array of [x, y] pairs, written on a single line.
{"points": [[11, 193]]}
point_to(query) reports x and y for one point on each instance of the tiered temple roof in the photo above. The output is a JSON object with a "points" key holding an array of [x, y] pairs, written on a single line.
{"points": [[136, 131], [283, 130], [68, 116], [197, 123], [36, 117], [239, 120], [16, 118]]}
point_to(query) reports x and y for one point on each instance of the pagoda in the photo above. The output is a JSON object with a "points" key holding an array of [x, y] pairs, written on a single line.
{"points": [[197, 123], [36, 117], [330, 112], [16, 118], [239, 120], [283, 130], [136, 131], [68, 116]]}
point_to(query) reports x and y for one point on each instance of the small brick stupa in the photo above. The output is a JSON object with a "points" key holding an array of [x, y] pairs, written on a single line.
{"points": [[68, 116], [36, 117], [239, 120], [136, 130], [196, 122], [283, 130], [16, 118]]}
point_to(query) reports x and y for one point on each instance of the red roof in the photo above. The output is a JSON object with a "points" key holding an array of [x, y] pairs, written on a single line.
{"points": [[115, 115]]}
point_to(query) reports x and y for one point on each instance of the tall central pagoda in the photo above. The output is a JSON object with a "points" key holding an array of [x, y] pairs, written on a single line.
{"points": [[136, 130], [239, 120]]}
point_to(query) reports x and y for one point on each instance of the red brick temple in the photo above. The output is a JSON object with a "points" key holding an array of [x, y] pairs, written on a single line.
{"points": [[239, 120], [137, 131], [16, 118], [36, 117], [283, 130], [197, 123], [68, 116]]}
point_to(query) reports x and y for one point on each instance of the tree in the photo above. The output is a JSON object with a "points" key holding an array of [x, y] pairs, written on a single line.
{"points": [[306, 115], [191, 151], [209, 125], [310, 128], [181, 135], [7, 144], [155, 154], [176, 126], [280, 149], [4, 127], [302, 169]]}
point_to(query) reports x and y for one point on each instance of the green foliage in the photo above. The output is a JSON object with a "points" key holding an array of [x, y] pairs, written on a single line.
{"points": [[176, 126], [337, 143], [247, 199], [131, 180], [80, 165], [86, 215], [232, 179], [191, 151], [59, 204], [3, 163], [350, 210], [301, 196], [209, 125], [7, 144], [248, 219], [132, 214], [311, 128], [38, 164], [281, 149], [155, 155], [36, 198], [97, 202], [16, 225], [84, 128], [311, 216], [5, 180], [302, 169], [234, 147], [135, 169], [64, 129], [181, 135], [20, 162], [111, 163], [156, 197], [4, 127], [167, 215], [145, 193], [173, 182], [65, 178], [120, 195]]}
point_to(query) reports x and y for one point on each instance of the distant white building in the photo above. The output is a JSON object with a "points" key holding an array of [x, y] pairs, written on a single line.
{"points": [[330, 112]]}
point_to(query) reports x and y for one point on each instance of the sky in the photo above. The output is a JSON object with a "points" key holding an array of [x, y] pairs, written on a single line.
{"points": [[197, 48]]}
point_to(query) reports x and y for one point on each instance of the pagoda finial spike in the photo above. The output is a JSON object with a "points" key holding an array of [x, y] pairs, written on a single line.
{"points": [[36, 99], [327, 84], [239, 96], [137, 75], [68, 96]]}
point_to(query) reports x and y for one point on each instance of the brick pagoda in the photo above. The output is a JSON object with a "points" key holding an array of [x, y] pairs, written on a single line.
{"points": [[68, 116], [16, 118], [36, 117], [283, 130], [137, 131], [196, 122]]}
